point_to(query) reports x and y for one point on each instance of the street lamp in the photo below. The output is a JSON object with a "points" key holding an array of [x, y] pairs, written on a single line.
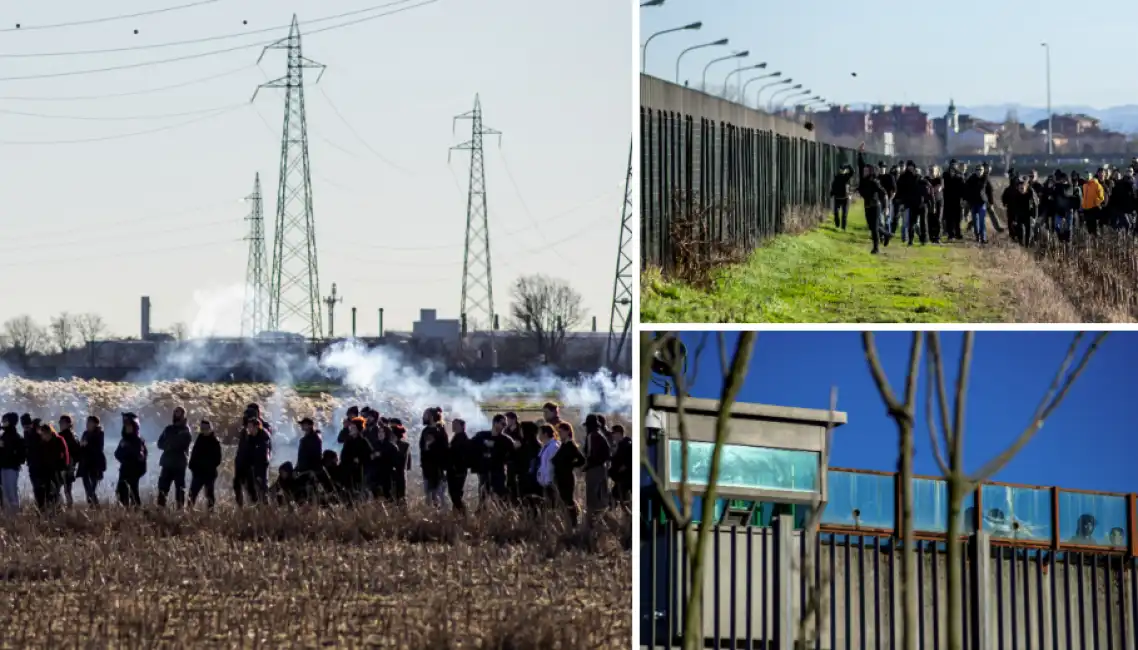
{"points": [[722, 41], [644, 48], [757, 66], [1050, 129], [759, 95], [770, 102], [737, 55], [743, 92], [783, 102]]}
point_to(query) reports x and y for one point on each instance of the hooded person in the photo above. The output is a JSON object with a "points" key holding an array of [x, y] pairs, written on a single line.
{"points": [[91, 459], [131, 454], [620, 470], [598, 453], [354, 457], [12, 457], [174, 442], [53, 462], [433, 449], [67, 432], [251, 463], [310, 449], [205, 459]]}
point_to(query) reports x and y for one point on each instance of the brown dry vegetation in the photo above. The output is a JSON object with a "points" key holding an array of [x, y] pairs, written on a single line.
{"points": [[267, 578]]}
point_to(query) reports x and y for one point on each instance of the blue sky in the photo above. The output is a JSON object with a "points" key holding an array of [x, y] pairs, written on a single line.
{"points": [[903, 51], [1088, 443], [105, 222]]}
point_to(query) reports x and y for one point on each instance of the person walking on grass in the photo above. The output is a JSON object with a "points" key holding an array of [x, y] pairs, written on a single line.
{"points": [[565, 464], [68, 434], [131, 455], [598, 453], [205, 459], [840, 193], [91, 460], [174, 443], [53, 462], [12, 457], [875, 201]]}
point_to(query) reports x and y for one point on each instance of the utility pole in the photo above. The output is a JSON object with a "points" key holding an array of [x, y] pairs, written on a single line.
{"points": [[620, 319], [331, 302], [477, 305], [255, 317], [1050, 124], [294, 285]]}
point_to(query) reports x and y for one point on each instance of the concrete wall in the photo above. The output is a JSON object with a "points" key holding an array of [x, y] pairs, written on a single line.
{"points": [[1032, 602], [667, 96]]}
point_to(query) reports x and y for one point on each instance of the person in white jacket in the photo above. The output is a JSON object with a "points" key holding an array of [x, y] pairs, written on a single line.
{"points": [[547, 436]]}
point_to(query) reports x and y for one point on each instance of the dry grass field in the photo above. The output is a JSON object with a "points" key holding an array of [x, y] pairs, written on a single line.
{"points": [[268, 578]]}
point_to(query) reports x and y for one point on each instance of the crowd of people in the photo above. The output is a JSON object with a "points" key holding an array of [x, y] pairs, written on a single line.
{"points": [[533, 464], [930, 206]]}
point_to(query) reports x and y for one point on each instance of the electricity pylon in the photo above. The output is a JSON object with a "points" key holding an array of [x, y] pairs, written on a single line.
{"points": [[620, 319], [294, 285], [477, 279], [254, 318]]}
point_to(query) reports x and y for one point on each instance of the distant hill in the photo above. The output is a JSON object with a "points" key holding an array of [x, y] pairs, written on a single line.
{"points": [[1115, 118]]}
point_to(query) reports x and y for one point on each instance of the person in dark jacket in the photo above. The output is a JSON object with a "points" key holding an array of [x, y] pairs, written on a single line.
{"points": [[377, 472], [565, 463], [205, 459], [310, 449], [251, 463], [598, 453], [527, 455], [292, 488], [254, 410], [875, 201], [919, 209], [331, 480], [840, 193], [978, 194], [68, 434], [493, 448], [91, 460], [888, 179], [516, 466], [53, 462], [174, 443], [908, 195], [12, 457], [936, 205], [953, 201], [131, 454], [354, 458], [458, 464], [620, 470], [342, 437], [30, 427], [433, 451], [1122, 201], [1023, 208], [400, 462]]}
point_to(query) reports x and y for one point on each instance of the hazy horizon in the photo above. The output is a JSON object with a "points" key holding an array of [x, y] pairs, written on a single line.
{"points": [[131, 182]]}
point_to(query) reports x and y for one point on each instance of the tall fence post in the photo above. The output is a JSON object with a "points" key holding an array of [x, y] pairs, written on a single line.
{"points": [[981, 596], [783, 597]]}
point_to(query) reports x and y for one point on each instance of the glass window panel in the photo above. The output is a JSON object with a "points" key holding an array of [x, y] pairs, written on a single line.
{"points": [[870, 495], [930, 507], [1092, 519], [747, 467], [1017, 512]]}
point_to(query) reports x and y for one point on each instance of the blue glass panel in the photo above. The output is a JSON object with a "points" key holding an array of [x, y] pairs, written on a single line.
{"points": [[697, 507], [1092, 519], [747, 467], [870, 495], [930, 507], [1017, 512]]}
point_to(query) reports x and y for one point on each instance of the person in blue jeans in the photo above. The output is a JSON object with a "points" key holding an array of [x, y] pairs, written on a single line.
{"points": [[978, 194], [840, 193]]}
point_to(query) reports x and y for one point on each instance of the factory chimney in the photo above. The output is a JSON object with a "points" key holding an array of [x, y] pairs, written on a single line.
{"points": [[145, 334]]}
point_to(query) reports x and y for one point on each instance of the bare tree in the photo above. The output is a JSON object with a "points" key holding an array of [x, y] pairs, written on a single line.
{"points": [[959, 483], [661, 347], [546, 309], [63, 331], [90, 327], [24, 337], [179, 331]]}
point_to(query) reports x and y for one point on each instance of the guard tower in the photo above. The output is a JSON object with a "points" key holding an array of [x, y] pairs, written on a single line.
{"points": [[774, 464]]}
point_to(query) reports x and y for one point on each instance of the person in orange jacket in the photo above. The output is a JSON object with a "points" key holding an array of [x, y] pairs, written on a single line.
{"points": [[1094, 195]]}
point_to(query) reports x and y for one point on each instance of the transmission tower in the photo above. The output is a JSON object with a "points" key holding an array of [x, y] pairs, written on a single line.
{"points": [[620, 319], [331, 302], [477, 280], [254, 318], [294, 285]]}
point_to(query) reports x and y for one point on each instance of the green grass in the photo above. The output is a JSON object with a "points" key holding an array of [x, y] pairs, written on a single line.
{"points": [[829, 276]]}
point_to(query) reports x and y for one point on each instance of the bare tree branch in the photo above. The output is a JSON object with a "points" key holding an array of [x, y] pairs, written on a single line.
{"points": [[930, 420], [878, 373], [962, 384], [1045, 407]]}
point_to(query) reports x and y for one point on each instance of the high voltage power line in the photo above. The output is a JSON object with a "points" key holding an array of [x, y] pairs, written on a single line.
{"points": [[107, 19], [205, 39], [129, 93], [119, 136], [199, 55]]}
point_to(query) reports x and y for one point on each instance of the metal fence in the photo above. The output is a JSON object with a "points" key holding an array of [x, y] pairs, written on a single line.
{"points": [[756, 592], [739, 183]]}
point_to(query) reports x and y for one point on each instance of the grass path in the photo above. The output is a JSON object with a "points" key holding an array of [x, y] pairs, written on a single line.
{"points": [[829, 276]]}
